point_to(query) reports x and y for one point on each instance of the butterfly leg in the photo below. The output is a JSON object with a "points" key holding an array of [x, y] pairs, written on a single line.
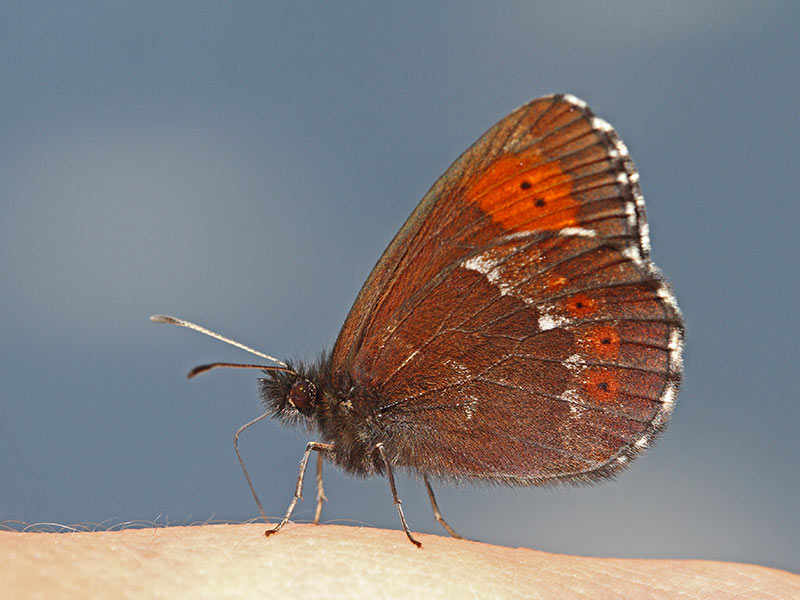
{"points": [[244, 469], [436, 512], [321, 497], [382, 451], [298, 491]]}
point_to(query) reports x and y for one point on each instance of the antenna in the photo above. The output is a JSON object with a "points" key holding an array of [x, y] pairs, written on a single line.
{"points": [[208, 332]]}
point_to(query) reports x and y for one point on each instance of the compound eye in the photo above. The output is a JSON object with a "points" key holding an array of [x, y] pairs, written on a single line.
{"points": [[302, 396]]}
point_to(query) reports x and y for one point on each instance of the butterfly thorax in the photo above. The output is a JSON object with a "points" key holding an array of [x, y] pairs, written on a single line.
{"points": [[337, 409]]}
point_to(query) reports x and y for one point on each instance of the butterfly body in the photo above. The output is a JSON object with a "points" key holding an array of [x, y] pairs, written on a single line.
{"points": [[342, 414]]}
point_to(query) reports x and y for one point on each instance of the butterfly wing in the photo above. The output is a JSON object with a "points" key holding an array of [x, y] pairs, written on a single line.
{"points": [[518, 308]]}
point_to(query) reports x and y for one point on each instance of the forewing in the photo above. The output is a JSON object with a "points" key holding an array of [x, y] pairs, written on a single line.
{"points": [[548, 165]]}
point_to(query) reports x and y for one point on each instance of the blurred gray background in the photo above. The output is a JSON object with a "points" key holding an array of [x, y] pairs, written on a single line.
{"points": [[244, 166]]}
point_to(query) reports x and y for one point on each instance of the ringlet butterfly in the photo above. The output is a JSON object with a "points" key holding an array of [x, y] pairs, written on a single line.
{"points": [[515, 330]]}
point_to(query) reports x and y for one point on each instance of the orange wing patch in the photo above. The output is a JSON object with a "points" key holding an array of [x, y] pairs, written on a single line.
{"points": [[581, 305], [554, 282], [601, 385], [601, 341], [523, 193]]}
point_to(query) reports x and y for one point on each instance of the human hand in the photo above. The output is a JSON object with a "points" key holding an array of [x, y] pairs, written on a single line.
{"points": [[309, 561]]}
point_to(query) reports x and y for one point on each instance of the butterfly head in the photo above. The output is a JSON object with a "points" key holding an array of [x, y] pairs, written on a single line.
{"points": [[293, 393]]}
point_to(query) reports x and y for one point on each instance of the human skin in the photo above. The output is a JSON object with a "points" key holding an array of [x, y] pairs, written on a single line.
{"points": [[323, 561]]}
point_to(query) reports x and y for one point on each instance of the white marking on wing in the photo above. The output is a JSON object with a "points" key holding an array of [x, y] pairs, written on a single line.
{"points": [[576, 101], [547, 322], [578, 231]]}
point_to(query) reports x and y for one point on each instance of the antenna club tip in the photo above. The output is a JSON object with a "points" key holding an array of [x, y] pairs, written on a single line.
{"points": [[199, 369], [162, 319]]}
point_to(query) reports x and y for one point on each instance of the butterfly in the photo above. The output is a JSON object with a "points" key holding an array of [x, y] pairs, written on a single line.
{"points": [[515, 331]]}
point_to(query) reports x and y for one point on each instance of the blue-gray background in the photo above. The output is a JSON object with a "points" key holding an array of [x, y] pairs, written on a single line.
{"points": [[244, 166]]}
